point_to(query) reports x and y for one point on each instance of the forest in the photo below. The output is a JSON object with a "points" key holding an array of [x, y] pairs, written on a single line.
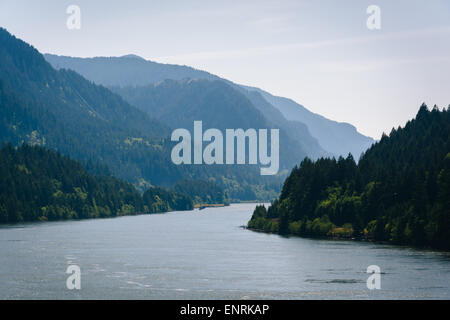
{"points": [[61, 110], [398, 192], [39, 185], [201, 191]]}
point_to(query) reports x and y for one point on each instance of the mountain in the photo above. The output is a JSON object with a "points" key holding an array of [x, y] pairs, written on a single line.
{"points": [[61, 110], [177, 103], [219, 105], [40, 184], [129, 70], [338, 138], [295, 130], [398, 192], [324, 136]]}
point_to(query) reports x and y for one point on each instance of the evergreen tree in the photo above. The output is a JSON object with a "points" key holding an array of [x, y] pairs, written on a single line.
{"points": [[398, 192]]}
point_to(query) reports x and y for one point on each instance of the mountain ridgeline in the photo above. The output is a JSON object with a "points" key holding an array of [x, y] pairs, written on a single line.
{"points": [[311, 133], [40, 184], [337, 138], [178, 104], [120, 124], [61, 110], [398, 192]]}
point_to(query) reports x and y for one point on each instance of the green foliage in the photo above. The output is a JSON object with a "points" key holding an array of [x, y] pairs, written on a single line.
{"points": [[261, 222], [159, 200], [62, 111], [398, 192], [219, 105], [201, 191], [39, 184]]}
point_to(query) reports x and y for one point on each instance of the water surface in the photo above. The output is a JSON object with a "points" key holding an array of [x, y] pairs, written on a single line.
{"points": [[205, 255]]}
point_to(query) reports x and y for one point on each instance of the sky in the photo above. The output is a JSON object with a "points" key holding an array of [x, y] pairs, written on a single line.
{"points": [[319, 53]]}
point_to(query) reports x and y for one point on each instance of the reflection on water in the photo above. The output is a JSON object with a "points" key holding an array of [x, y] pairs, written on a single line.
{"points": [[205, 255]]}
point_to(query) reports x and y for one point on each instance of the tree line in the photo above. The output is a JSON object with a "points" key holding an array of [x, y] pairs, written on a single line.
{"points": [[202, 191], [399, 191], [41, 184]]}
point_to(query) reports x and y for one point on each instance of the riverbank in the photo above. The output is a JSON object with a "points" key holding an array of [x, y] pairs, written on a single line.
{"points": [[348, 238], [208, 205], [192, 255]]}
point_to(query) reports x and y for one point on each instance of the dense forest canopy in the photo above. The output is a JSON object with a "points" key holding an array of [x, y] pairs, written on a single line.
{"points": [[223, 106], [202, 191], [40, 184], [61, 110], [398, 192]]}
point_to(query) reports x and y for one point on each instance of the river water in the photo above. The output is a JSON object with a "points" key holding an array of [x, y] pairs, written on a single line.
{"points": [[205, 255]]}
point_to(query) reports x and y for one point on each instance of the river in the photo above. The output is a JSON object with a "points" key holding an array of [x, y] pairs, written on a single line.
{"points": [[205, 255]]}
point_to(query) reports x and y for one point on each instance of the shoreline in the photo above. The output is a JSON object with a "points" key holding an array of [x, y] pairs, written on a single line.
{"points": [[352, 239], [137, 213]]}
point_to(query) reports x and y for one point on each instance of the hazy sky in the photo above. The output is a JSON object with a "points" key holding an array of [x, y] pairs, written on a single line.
{"points": [[318, 52]]}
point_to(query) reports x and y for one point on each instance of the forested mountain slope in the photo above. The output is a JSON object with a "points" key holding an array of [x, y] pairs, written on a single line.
{"points": [[129, 70], [398, 192], [179, 103], [317, 135], [40, 184], [61, 110]]}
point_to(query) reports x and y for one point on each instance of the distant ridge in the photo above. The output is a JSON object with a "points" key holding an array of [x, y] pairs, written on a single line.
{"points": [[61, 110], [399, 192], [333, 136], [337, 139]]}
